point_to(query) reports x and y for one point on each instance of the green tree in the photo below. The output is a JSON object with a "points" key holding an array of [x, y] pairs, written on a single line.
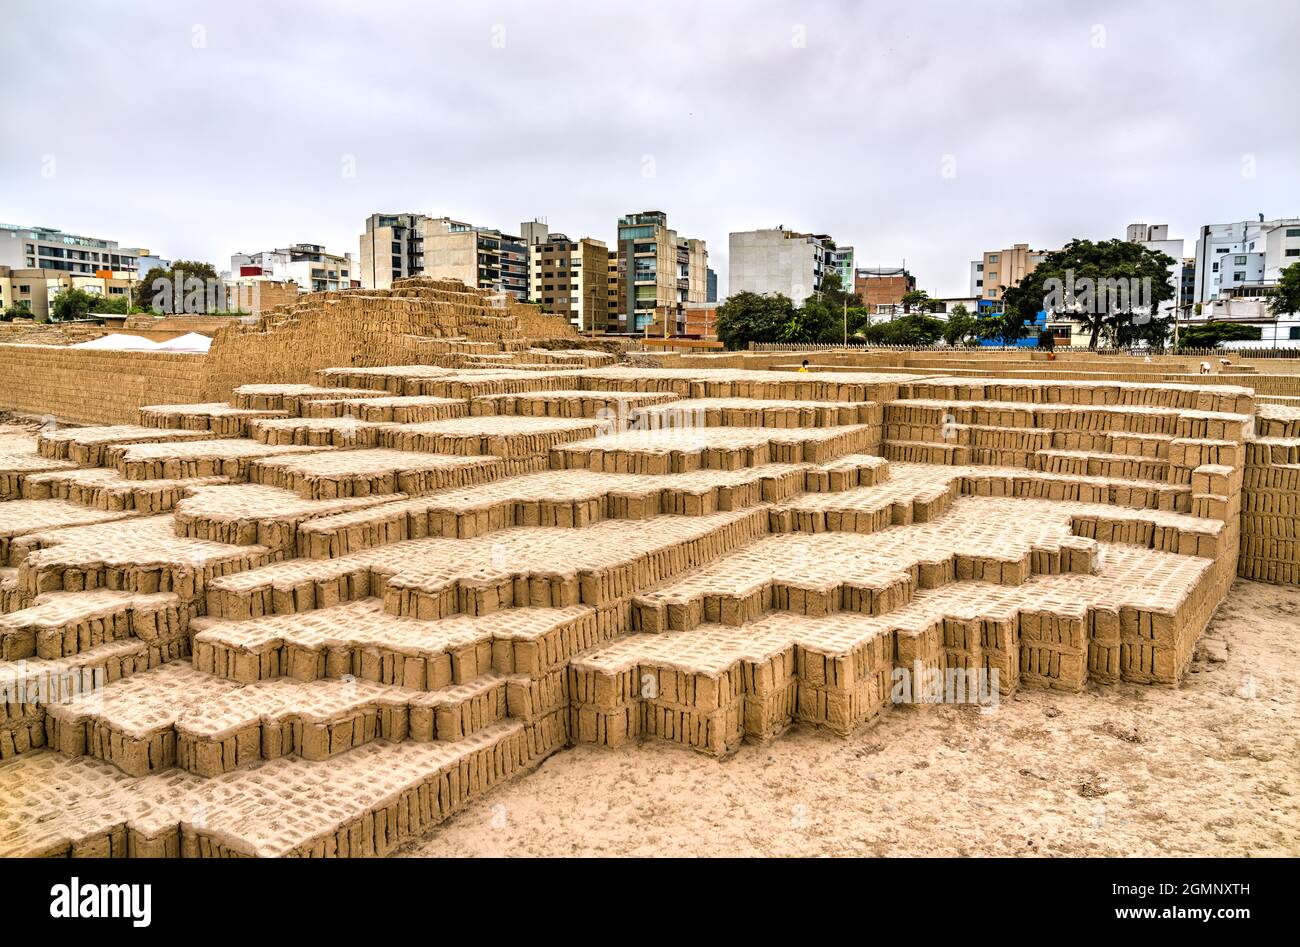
{"points": [[917, 299], [71, 303], [1287, 298], [961, 328], [915, 329], [751, 317], [1208, 335], [1094, 284], [1004, 328], [176, 274]]}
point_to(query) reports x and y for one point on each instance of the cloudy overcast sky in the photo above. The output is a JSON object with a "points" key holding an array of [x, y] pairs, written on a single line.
{"points": [[918, 131]]}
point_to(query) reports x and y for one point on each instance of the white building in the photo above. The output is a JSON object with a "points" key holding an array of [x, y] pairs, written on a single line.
{"points": [[1156, 237], [307, 264], [777, 260], [1243, 254], [46, 248]]}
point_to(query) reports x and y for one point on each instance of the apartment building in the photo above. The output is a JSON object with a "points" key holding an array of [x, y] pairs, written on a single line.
{"points": [[1245, 256], [34, 289], [1156, 237], [397, 245], [309, 265], [997, 270], [656, 268], [570, 278], [776, 260], [612, 284], [392, 247], [880, 289], [46, 248], [841, 262]]}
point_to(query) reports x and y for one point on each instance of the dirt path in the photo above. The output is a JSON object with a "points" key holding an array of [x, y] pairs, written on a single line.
{"points": [[1210, 769]]}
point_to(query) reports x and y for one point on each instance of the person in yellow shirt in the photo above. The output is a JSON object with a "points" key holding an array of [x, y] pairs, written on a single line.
{"points": [[804, 366]]}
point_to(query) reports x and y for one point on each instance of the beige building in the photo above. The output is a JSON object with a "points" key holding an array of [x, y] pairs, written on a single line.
{"points": [[34, 290], [1001, 269], [397, 245], [571, 279], [656, 268]]}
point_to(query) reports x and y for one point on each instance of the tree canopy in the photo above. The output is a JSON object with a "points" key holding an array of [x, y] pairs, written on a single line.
{"points": [[1110, 285], [1208, 335], [76, 303], [176, 274], [1286, 300]]}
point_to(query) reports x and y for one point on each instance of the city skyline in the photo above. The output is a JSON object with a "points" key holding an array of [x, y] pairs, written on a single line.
{"points": [[947, 130]]}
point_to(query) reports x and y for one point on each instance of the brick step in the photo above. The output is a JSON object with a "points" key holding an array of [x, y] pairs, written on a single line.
{"points": [[1023, 482], [366, 802], [249, 514], [1086, 394], [323, 719], [571, 498], [682, 450], [290, 398], [361, 640], [921, 493], [59, 625], [345, 432], [753, 413], [497, 436], [712, 686], [89, 446], [30, 686], [1116, 466], [398, 409], [1170, 422], [219, 457], [217, 416], [391, 378], [520, 567], [174, 716], [16, 465], [381, 471], [606, 405], [13, 596], [147, 558], [103, 488], [20, 518], [980, 540]]}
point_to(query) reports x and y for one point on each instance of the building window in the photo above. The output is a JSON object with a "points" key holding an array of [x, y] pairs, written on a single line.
{"points": [[1294, 332], [1239, 260], [993, 258], [1238, 276], [993, 276], [1294, 251], [1221, 250]]}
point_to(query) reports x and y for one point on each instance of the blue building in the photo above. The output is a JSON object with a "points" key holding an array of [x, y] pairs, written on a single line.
{"points": [[988, 307]]}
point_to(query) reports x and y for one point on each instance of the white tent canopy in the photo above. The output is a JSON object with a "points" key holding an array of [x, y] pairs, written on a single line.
{"points": [[119, 342], [189, 342]]}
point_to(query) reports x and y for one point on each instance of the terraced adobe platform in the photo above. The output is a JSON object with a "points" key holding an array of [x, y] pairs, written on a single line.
{"points": [[319, 619]]}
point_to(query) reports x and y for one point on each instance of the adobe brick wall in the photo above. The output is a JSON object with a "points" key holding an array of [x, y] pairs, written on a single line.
{"points": [[95, 387]]}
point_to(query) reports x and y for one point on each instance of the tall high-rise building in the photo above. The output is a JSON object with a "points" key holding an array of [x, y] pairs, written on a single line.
{"points": [[570, 278], [391, 247], [1249, 254], [1156, 237], [656, 268], [782, 261], [396, 245]]}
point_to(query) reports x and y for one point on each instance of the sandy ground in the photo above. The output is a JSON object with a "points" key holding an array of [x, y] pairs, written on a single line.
{"points": [[1209, 769]]}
